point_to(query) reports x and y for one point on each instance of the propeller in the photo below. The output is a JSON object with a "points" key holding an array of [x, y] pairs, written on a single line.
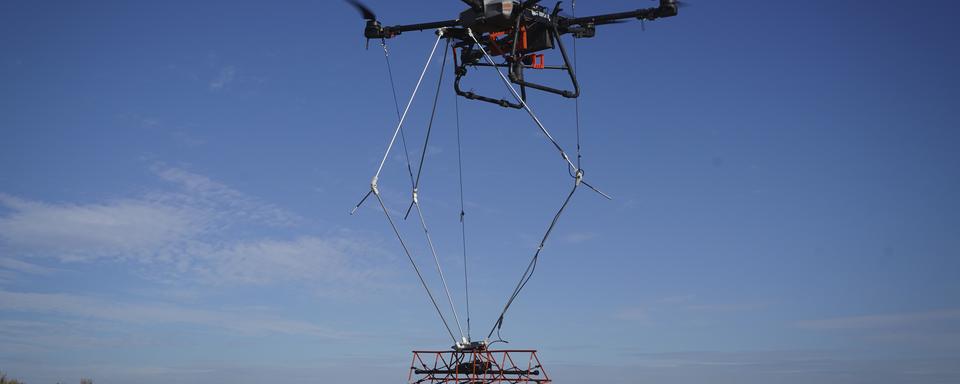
{"points": [[476, 5], [364, 10], [528, 3], [677, 3]]}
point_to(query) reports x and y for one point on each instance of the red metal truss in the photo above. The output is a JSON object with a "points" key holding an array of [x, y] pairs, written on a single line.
{"points": [[477, 366]]}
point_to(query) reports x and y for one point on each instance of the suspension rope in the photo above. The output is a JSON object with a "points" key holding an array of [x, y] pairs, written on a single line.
{"points": [[403, 117], [571, 167], [463, 224], [577, 99], [523, 103], [415, 268], [577, 174], [528, 273], [374, 190], [416, 199], [433, 115], [396, 107]]}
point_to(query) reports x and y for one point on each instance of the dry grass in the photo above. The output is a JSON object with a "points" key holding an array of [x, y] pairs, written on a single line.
{"points": [[5, 380]]}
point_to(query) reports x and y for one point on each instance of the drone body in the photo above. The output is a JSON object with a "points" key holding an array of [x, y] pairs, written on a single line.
{"points": [[515, 31]]}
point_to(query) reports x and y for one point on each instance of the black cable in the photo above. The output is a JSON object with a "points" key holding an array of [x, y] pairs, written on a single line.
{"points": [[416, 186], [463, 224], [532, 267], [396, 106], [576, 100], [433, 114], [415, 268]]}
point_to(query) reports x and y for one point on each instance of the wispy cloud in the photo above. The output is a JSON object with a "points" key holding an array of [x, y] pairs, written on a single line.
{"points": [[141, 228], [22, 266], [75, 232], [223, 78], [87, 307], [185, 230], [764, 366], [636, 314], [885, 321], [218, 199], [672, 306], [11, 269], [579, 237], [321, 260]]}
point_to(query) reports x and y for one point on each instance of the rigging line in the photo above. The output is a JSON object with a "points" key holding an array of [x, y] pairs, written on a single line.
{"points": [[576, 100], [376, 177], [396, 107], [416, 200], [414, 264], [436, 259], [463, 224], [572, 168], [532, 266], [433, 115], [522, 102]]}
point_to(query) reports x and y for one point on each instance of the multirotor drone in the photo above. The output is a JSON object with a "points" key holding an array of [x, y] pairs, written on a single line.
{"points": [[515, 31]]}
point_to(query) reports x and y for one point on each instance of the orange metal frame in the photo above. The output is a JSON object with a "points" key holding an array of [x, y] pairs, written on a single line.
{"points": [[479, 366]]}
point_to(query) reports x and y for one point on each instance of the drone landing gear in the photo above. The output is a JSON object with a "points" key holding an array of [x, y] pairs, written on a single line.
{"points": [[477, 366], [520, 58]]}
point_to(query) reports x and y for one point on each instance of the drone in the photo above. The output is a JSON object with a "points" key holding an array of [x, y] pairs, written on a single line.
{"points": [[516, 31]]}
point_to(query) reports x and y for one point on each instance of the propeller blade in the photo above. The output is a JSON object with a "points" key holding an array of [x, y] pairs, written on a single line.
{"points": [[474, 4], [364, 10], [619, 21], [605, 196], [677, 3]]}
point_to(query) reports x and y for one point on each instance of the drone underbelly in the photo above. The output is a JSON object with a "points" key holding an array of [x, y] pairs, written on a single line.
{"points": [[496, 16]]}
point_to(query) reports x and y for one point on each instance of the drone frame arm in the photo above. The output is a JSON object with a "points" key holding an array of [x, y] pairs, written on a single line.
{"points": [[376, 31], [667, 8]]}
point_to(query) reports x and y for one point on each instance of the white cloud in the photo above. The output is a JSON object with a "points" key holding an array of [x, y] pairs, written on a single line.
{"points": [[766, 366], [637, 314], [201, 192], [886, 321], [184, 233], [579, 237], [224, 78], [304, 258], [677, 306], [121, 227], [88, 307], [22, 266]]}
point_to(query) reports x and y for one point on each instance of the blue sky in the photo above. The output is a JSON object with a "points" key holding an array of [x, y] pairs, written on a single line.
{"points": [[176, 177]]}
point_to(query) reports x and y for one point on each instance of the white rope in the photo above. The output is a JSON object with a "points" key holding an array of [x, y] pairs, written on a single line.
{"points": [[374, 190], [415, 268], [575, 171], [524, 103], [376, 177], [416, 198], [436, 259], [573, 168]]}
